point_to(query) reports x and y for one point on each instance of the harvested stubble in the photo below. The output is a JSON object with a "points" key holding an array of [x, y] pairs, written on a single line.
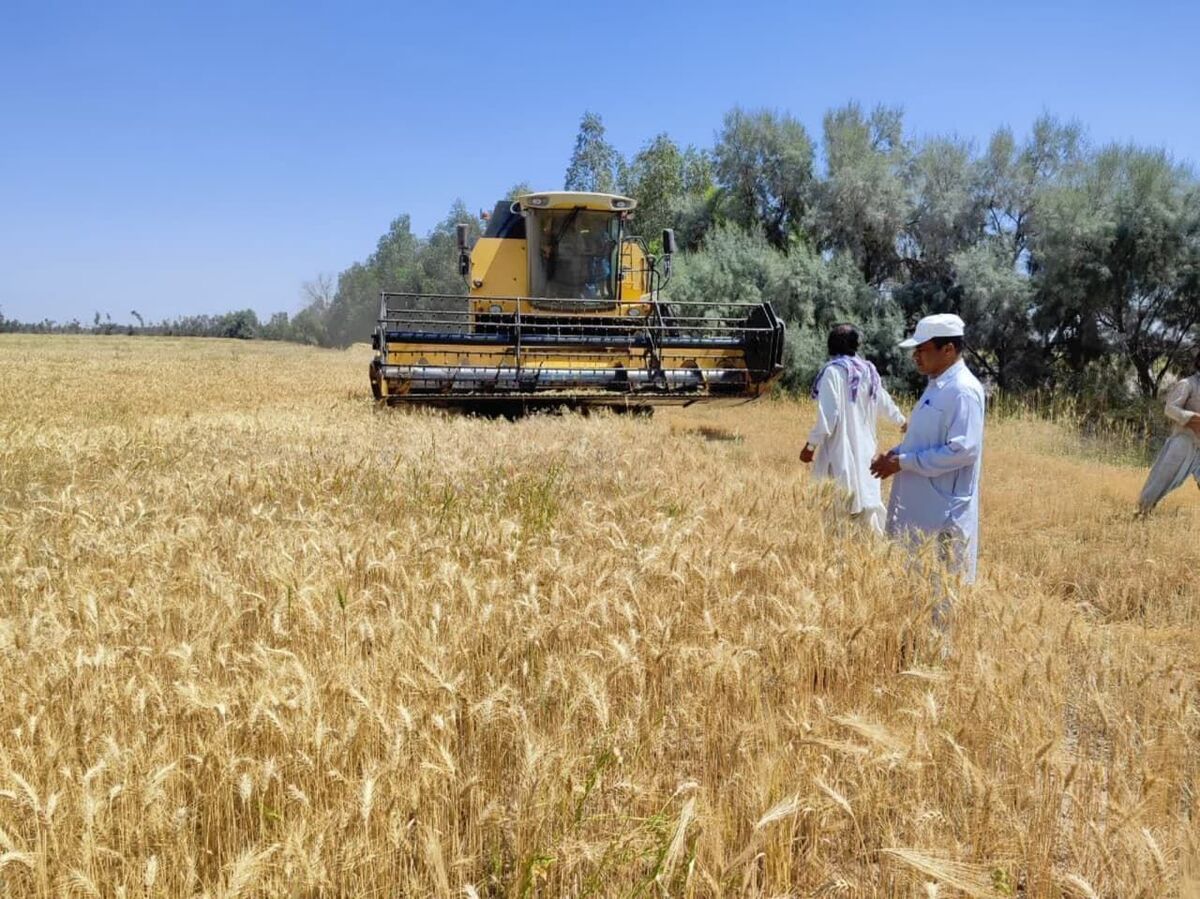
{"points": [[258, 637]]}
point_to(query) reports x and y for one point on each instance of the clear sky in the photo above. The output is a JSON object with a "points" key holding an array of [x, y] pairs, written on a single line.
{"points": [[181, 157]]}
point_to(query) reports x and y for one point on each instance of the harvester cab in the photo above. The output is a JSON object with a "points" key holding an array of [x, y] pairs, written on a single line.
{"points": [[564, 308]]}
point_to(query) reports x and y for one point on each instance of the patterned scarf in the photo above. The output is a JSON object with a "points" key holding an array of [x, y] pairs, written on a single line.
{"points": [[856, 370]]}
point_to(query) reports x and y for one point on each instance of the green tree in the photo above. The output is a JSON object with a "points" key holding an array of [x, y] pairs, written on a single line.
{"points": [[995, 300], [242, 325], [1013, 178], [1117, 256], [763, 163], [355, 308], [519, 189], [698, 208], [736, 266], [308, 326], [826, 290], [277, 327], [698, 171], [808, 291], [395, 266], [594, 162], [945, 218], [438, 255], [947, 212], [970, 242], [862, 204], [654, 178]]}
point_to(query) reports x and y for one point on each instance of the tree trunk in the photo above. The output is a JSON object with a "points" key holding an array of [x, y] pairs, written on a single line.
{"points": [[1145, 378]]}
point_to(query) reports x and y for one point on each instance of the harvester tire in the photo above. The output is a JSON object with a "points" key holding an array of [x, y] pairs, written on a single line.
{"points": [[376, 381]]}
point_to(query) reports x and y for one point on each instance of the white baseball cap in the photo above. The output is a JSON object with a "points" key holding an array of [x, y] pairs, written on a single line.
{"points": [[931, 326]]}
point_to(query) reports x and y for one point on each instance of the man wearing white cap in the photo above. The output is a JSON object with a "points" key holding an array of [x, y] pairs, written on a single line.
{"points": [[935, 495]]}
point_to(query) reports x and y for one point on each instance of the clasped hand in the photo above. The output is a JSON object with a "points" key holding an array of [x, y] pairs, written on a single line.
{"points": [[886, 465]]}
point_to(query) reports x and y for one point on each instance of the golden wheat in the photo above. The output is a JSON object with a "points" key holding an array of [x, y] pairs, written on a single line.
{"points": [[259, 637]]}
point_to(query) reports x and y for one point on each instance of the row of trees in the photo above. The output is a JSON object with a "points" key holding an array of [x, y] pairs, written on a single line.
{"points": [[1073, 266], [242, 324]]}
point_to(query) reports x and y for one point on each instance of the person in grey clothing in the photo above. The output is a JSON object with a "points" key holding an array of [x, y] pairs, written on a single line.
{"points": [[1179, 458]]}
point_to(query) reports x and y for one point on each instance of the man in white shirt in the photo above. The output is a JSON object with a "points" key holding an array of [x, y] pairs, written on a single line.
{"points": [[850, 397], [1180, 455], [935, 494]]}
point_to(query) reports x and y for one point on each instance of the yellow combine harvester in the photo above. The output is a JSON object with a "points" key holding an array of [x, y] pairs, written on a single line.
{"points": [[564, 309]]}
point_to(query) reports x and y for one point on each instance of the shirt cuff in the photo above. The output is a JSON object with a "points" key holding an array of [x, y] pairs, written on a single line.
{"points": [[905, 460], [1180, 416]]}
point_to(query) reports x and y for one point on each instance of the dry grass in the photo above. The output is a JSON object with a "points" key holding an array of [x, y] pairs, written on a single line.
{"points": [[260, 638]]}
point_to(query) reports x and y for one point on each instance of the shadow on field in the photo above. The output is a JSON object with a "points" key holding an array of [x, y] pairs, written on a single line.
{"points": [[710, 433], [512, 410]]}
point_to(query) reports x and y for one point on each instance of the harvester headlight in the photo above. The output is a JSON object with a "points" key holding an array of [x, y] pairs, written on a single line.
{"points": [[620, 204], [538, 201], [634, 310], [494, 309]]}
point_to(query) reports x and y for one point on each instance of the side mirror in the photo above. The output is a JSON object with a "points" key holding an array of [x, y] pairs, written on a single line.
{"points": [[668, 243], [464, 255]]}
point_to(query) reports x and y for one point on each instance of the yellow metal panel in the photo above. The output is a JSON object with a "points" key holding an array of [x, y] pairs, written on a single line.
{"points": [[637, 271], [552, 357], [500, 264]]}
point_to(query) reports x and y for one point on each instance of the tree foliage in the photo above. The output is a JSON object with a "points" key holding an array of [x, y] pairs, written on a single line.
{"points": [[1071, 265], [861, 204], [594, 163], [1118, 260], [655, 177], [764, 167]]}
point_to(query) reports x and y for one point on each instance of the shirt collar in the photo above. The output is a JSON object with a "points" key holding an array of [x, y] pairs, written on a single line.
{"points": [[948, 375]]}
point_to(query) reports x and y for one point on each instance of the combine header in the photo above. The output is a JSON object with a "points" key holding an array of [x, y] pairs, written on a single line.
{"points": [[564, 309]]}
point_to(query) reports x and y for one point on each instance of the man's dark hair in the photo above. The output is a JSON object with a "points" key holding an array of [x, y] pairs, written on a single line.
{"points": [[940, 342], [843, 340]]}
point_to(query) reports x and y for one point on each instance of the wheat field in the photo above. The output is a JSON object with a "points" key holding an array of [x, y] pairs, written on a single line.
{"points": [[259, 637]]}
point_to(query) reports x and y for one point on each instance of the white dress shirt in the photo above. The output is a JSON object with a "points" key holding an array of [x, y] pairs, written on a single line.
{"points": [[844, 437], [936, 492]]}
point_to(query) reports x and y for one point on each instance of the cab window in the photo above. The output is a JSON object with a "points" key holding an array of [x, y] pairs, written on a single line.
{"points": [[578, 253]]}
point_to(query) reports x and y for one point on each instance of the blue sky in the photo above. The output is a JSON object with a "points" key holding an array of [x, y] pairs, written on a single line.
{"points": [[181, 158]]}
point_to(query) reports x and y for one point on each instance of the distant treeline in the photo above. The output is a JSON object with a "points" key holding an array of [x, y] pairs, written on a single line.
{"points": [[243, 324], [1076, 267]]}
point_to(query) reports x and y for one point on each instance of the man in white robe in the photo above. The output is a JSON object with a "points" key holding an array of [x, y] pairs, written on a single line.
{"points": [[935, 494], [1180, 456], [850, 398]]}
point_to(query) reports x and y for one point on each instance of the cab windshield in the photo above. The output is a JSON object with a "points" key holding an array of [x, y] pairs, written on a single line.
{"points": [[578, 253]]}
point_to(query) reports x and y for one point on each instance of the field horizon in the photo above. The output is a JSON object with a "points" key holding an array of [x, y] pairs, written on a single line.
{"points": [[260, 637]]}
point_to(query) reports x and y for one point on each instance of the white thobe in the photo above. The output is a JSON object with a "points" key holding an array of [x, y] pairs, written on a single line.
{"points": [[844, 437], [935, 495], [1180, 456]]}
